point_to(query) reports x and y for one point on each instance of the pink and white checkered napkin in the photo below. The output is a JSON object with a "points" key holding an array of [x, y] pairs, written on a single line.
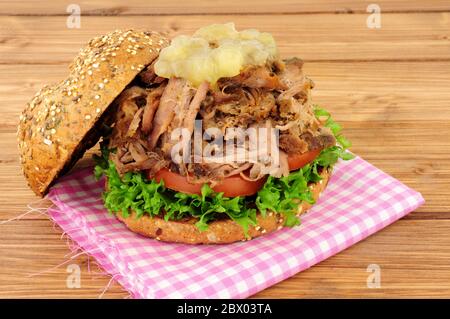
{"points": [[359, 200]]}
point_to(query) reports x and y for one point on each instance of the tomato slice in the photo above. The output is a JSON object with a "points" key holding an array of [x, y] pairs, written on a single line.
{"points": [[237, 186], [297, 161], [231, 186], [177, 182]]}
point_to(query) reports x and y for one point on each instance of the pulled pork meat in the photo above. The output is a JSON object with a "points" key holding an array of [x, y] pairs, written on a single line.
{"points": [[275, 95], [129, 130]]}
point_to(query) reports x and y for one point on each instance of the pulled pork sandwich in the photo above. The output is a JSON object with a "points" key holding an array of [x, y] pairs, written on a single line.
{"points": [[168, 113]]}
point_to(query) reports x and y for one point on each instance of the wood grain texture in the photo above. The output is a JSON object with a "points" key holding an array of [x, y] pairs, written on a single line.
{"points": [[402, 92], [318, 37], [171, 7], [388, 87]]}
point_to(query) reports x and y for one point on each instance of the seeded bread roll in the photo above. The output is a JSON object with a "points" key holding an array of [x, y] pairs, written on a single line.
{"points": [[220, 231], [59, 123]]}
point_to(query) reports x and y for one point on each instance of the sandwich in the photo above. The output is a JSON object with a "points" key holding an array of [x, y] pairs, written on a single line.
{"points": [[205, 139]]}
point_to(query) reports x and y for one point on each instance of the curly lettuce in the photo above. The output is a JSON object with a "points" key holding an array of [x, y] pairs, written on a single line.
{"points": [[134, 192]]}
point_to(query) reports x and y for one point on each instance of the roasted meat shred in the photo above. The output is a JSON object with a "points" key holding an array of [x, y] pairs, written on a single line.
{"points": [[275, 95]]}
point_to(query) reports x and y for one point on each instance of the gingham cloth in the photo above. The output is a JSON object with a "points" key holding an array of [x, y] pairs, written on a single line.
{"points": [[359, 200]]}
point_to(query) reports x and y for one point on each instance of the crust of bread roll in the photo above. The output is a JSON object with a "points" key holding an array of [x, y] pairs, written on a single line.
{"points": [[219, 232], [62, 120]]}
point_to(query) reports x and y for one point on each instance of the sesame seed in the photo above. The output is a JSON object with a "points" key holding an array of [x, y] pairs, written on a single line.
{"points": [[97, 97], [52, 131], [105, 81], [87, 117], [52, 113], [89, 72], [95, 65], [97, 110], [47, 142], [101, 86]]}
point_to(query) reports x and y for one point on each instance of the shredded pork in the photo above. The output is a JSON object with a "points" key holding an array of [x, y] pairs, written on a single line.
{"points": [[170, 100], [276, 95]]}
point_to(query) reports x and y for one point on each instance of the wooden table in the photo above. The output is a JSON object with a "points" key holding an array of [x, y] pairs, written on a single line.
{"points": [[388, 86]]}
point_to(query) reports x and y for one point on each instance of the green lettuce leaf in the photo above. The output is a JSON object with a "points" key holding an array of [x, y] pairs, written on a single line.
{"points": [[134, 192]]}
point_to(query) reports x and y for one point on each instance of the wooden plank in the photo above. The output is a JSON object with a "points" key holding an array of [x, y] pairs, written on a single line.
{"points": [[315, 37], [164, 7], [376, 92], [383, 91], [410, 265], [318, 282], [36, 248]]}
